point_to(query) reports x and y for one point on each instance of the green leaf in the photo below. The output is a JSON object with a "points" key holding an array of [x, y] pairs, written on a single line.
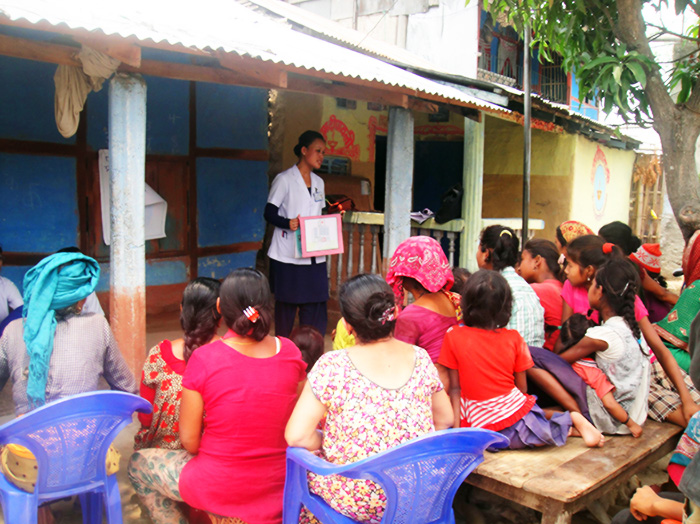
{"points": [[686, 85], [680, 6], [617, 73], [598, 61], [638, 72]]}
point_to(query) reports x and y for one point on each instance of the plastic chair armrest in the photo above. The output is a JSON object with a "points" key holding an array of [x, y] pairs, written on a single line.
{"points": [[315, 464]]}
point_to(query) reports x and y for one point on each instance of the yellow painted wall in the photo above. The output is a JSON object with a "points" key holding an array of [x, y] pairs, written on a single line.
{"points": [[551, 181], [616, 191]]}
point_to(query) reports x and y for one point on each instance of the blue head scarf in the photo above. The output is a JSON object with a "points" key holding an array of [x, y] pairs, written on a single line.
{"points": [[58, 281]]}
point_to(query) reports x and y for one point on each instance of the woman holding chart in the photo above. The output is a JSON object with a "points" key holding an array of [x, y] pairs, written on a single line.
{"points": [[298, 283]]}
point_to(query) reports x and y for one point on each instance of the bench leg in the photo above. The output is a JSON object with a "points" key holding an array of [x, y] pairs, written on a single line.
{"points": [[556, 514], [596, 509]]}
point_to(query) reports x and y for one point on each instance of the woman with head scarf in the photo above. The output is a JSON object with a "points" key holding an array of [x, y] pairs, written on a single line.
{"points": [[569, 230], [54, 351], [419, 266]]}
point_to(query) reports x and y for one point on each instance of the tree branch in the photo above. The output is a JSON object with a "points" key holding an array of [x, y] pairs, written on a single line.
{"points": [[666, 31]]}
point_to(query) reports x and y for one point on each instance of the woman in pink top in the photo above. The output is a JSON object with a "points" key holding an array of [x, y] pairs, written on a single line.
{"points": [[419, 266], [234, 463]]}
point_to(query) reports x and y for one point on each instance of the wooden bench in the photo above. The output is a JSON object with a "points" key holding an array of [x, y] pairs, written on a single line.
{"points": [[561, 481]]}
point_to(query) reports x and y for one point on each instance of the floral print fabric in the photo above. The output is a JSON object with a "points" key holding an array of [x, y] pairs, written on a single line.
{"points": [[163, 384], [363, 419]]}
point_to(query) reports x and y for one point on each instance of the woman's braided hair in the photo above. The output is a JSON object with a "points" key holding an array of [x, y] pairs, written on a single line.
{"points": [[620, 282], [198, 317]]}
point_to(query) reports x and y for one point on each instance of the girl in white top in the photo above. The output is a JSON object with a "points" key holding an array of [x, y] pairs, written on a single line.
{"points": [[298, 283], [619, 349]]}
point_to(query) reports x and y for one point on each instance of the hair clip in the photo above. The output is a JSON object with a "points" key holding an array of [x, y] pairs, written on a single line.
{"points": [[608, 248], [562, 259], [388, 315], [251, 314], [625, 289], [506, 232]]}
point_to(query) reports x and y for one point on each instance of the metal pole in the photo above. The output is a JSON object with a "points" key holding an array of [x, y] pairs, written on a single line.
{"points": [[528, 133]]}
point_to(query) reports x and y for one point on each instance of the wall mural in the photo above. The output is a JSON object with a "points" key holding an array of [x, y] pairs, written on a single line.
{"points": [[339, 139], [600, 177]]}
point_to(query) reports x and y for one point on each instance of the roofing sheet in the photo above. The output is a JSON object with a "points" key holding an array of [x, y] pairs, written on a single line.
{"points": [[228, 26]]}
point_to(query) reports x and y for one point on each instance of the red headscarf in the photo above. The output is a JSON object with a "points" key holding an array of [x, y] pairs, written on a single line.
{"points": [[422, 259]]}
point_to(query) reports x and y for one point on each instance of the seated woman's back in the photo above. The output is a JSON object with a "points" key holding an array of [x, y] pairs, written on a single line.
{"points": [[374, 396]]}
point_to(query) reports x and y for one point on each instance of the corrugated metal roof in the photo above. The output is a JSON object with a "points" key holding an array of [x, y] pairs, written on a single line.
{"points": [[230, 27]]}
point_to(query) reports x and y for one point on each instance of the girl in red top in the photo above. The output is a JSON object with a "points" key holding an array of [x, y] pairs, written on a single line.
{"points": [[487, 365], [539, 266]]}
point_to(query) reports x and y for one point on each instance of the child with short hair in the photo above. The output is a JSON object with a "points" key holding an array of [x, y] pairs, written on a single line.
{"points": [[310, 342], [619, 351], [487, 365]]}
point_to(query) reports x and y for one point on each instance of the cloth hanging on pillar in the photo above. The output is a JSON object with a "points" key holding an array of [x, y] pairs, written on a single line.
{"points": [[74, 83]]}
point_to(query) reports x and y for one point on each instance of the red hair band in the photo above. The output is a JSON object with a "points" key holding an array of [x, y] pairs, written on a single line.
{"points": [[608, 248], [252, 314]]}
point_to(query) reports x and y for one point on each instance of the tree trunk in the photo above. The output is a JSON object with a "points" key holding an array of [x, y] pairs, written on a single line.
{"points": [[679, 136]]}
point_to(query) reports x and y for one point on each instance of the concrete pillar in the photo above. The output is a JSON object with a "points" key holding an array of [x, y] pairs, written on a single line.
{"points": [[127, 162], [473, 182], [399, 179]]}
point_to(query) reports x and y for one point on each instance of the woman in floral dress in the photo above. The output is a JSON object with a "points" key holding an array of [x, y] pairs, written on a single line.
{"points": [[375, 395], [161, 380]]}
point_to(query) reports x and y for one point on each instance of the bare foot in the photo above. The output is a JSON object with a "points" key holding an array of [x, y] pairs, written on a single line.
{"points": [[591, 436], [635, 428]]}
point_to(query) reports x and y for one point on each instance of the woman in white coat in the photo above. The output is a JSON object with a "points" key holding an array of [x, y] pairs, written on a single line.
{"points": [[298, 283]]}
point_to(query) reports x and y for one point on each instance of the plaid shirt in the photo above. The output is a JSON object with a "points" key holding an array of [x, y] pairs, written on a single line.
{"points": [[527, 317], [84, 349]]}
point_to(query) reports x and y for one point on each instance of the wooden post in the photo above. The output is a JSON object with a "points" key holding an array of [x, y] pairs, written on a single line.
{"points": [[473, 183], [399, 180], [127, 159]]}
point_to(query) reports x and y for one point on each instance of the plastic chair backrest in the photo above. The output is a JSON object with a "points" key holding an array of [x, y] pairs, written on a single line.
{"points": [[420, 477], [70, 437]]}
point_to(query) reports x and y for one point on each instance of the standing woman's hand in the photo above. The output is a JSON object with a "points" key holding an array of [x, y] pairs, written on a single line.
{"points": [[294, 223]]}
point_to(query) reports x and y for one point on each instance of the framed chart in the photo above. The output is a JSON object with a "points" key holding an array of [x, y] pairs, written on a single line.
{"points": [[321, 235]]}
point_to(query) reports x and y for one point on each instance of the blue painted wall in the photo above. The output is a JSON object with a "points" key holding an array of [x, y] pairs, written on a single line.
{"points": [[167, 117], [38, 194], [39, 203], [221, 265], [232, 117], [231, 196]]}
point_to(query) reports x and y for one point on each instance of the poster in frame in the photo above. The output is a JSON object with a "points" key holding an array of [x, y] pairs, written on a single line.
{"points": [[321, 235]]}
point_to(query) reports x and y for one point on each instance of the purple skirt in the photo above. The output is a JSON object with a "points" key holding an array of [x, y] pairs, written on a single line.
{"points": [[535, 430]]}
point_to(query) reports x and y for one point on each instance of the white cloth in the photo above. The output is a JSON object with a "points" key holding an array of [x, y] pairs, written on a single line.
{"points": [[10, 297], [290, 194], [92, 305], [74, 83]]}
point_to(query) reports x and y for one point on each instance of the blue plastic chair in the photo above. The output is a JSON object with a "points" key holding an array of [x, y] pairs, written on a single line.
{"points": [[419, 478], [70, 439]]}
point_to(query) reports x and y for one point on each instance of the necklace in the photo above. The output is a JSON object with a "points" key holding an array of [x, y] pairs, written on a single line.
{"points": [[238, 340]]}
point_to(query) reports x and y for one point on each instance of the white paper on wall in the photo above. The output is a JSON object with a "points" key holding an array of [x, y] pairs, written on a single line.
{"points": [[156, 208]]}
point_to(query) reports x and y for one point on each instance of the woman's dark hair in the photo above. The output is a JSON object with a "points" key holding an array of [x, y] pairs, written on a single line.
{"points": [[198, 315], [486, 300], [504, 244], [620, 282], [574, 329], [368, 304], [67, 312], [305, 140], [549, 253], [310, 342], [243, 288], [560, 236], [587, 250], [620, 234], [461, 276]]}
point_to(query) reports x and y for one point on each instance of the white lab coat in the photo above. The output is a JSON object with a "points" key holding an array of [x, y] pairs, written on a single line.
{"points": [[290, 194]]}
